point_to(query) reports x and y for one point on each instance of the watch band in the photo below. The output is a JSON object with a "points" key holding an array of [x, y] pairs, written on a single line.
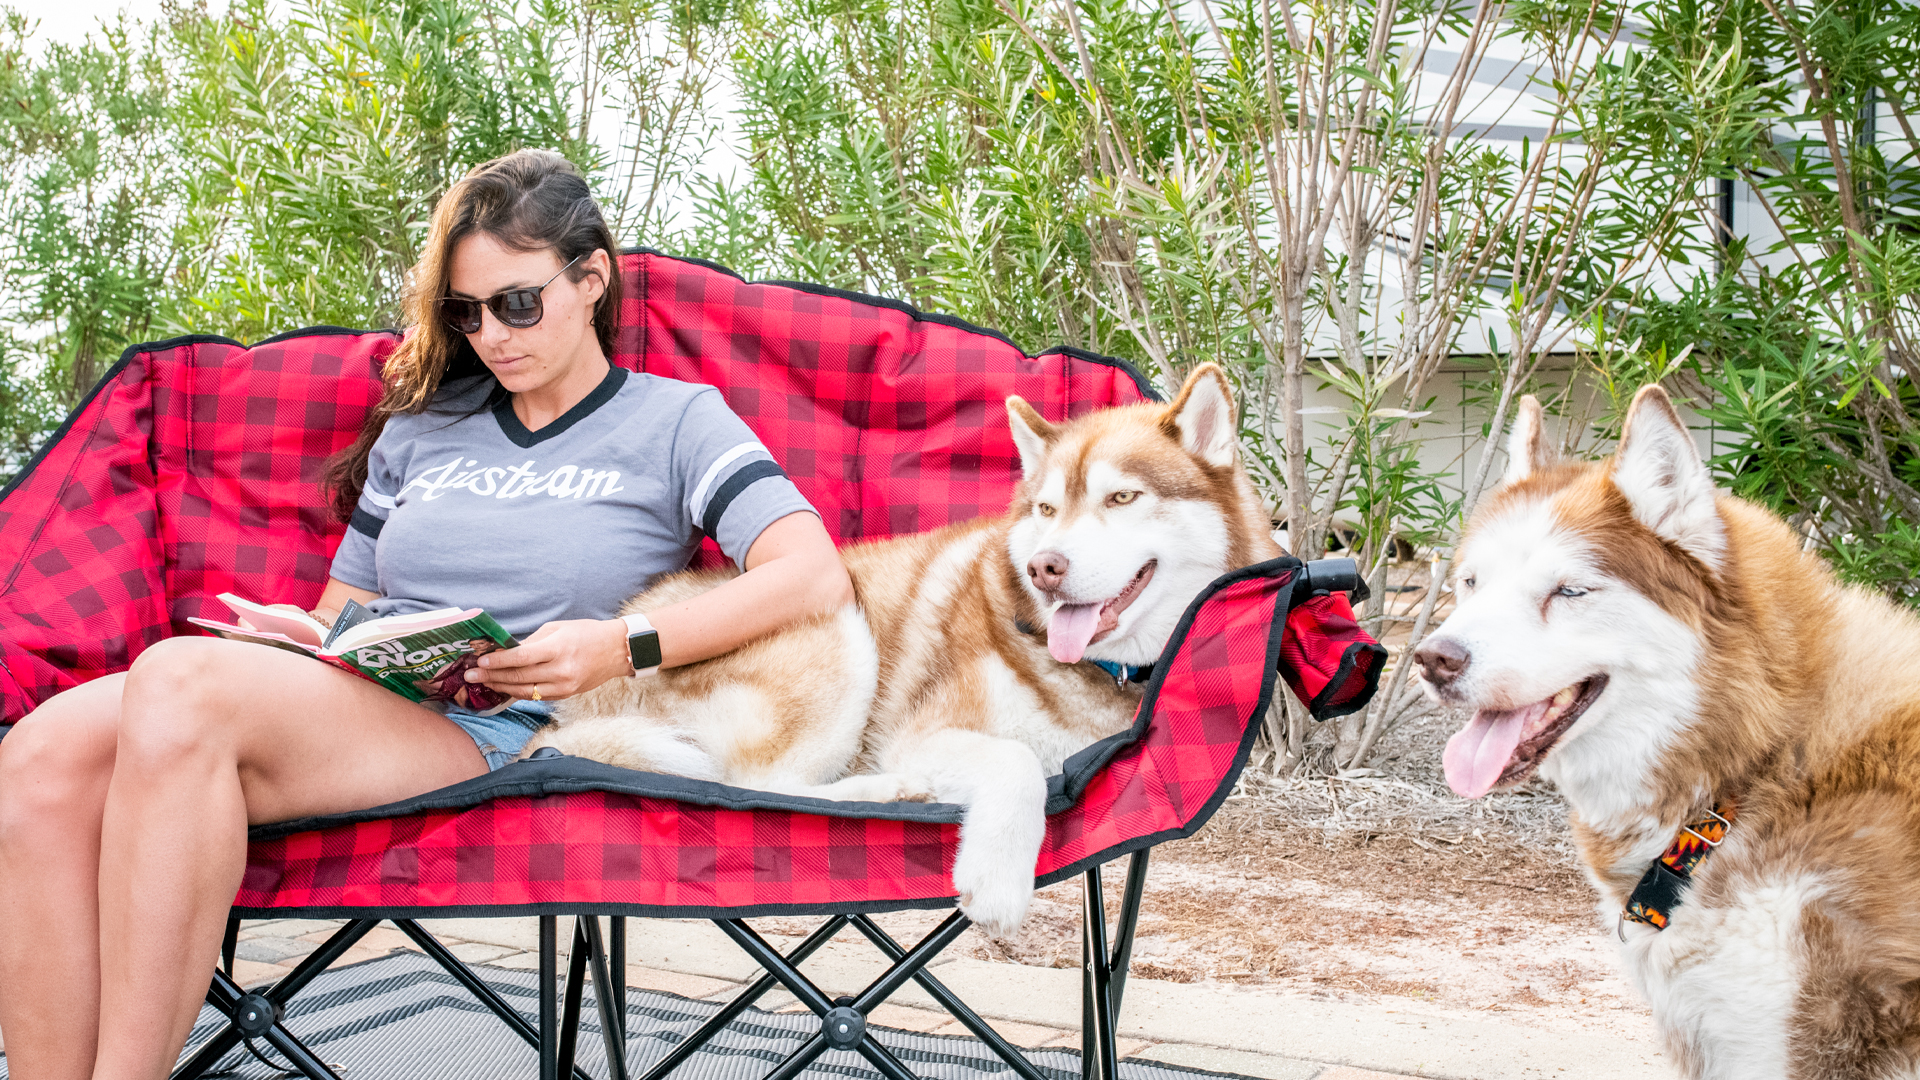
{"points": [[643, 644]]}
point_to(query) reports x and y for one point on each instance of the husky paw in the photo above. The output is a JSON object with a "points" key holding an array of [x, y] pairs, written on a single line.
{"points": [[896, 788], [870, 787], [995, 900]]}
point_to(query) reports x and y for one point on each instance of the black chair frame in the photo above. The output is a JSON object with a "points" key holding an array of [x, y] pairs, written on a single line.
{"points": [[554, 1032]]}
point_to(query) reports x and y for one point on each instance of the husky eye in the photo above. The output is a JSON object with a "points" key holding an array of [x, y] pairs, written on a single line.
{"points": [[1043, 509], [1122, 498], [1569, 591], [1468, 581]]}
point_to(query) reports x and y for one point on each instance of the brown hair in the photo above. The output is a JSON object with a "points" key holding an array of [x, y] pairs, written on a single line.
{"points": [[530, 200]]}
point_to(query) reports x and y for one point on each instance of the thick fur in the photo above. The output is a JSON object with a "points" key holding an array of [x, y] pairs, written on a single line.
{"points": [[930, 688], [1736, 666]]}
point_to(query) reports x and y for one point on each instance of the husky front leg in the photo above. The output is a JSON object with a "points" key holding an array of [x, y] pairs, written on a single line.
{"points": [[1001, 784]]}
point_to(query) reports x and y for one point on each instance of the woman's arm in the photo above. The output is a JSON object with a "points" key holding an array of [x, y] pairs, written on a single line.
{"points": [[335, 597], [792, 572]]}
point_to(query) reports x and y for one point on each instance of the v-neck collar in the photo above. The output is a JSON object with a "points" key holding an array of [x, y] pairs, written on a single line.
{"points": [[517, 433]]}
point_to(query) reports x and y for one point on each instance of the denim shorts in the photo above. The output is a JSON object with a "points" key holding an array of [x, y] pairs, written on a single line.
{"points": [[501, 735]]}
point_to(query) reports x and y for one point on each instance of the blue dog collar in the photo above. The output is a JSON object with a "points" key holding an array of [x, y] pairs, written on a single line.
{"points": [[1125, 673]]}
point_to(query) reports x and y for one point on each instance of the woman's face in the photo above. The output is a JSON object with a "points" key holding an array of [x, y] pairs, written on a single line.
{"points": [[562, 343]]}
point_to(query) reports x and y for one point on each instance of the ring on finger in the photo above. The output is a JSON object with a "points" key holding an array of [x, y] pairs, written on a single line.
{"points": [[536, 691]]}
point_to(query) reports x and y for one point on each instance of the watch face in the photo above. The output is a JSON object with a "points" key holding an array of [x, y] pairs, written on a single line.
{"points": [[643, 649]]}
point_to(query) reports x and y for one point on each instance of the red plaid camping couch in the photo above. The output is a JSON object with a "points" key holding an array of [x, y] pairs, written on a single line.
{"points": [[193, 467]]}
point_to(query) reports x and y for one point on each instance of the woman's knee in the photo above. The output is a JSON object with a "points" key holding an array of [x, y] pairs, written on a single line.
{"points": [[174, 699], [56, 761]]}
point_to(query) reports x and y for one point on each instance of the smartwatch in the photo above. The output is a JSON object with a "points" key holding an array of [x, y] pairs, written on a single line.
{"points": [[643, 644]]}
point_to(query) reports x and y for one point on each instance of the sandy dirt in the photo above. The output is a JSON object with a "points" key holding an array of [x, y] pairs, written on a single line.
{"points": [[1368, 888], [1488, 922]]}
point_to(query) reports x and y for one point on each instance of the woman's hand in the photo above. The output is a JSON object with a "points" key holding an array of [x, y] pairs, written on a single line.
{"points": [[560, 659]]}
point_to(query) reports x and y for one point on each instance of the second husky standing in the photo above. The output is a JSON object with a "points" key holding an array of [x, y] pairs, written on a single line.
{"points": [[959, 676]]}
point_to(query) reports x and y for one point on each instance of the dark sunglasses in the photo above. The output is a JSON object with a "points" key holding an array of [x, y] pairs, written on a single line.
{"points": [[518, 308]]}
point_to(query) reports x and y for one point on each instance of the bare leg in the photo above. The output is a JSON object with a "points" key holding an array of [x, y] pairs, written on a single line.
{"points": [[210, 736], [202, 754], [54, 769]]}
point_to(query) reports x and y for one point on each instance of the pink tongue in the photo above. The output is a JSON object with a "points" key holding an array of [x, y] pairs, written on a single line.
{"points": [[1478, 753], [1070, 629]]}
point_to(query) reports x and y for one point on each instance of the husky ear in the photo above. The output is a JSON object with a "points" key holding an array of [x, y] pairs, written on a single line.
{"points": [[1031, 434], [1201, 416], [1528, 451], [1660, 472]]}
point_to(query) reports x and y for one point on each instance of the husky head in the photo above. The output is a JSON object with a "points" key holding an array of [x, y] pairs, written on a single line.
{"points": [[1574, 641], [1124, 515]]}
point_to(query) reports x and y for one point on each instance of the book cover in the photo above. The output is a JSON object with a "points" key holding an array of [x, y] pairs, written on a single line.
{"points": [[422, 657]]}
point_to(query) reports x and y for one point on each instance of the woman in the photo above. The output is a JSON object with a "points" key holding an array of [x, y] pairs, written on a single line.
{"points": [[509, 466]]}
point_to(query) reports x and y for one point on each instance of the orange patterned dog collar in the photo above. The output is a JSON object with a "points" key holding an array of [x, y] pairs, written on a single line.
{"points": [[1660, 890]]}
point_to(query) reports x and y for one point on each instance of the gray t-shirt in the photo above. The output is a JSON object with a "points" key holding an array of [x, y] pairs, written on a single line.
{"points": [[466, 508]]}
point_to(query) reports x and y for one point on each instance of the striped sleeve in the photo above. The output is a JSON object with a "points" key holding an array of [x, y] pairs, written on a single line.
{"points": [[733, 486], [353, 562]]}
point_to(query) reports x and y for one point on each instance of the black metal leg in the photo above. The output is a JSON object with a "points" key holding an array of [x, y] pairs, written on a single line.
{"points": [[882, 1059], [549, 971], [951, 1002], [904, 968], [617, 958], [509, 1015], [298, 1055], [556, 1035], [477, 986], [810, 995], [319, 960], [224, 994], [576, 988], [279, 993], [909, 965], [611, 1007], [777, 965], [222, 1041], [798, 1061], [1099, 1052], [1086, 1003], [1123, 930], [230, 944], [745, 999]]}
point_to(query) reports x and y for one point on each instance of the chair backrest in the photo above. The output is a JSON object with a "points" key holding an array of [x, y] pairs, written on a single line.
{"points": [[193, 467]]}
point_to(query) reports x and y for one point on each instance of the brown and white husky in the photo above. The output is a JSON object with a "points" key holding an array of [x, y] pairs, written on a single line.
{"points": [[1665, 655], [961, 675]]}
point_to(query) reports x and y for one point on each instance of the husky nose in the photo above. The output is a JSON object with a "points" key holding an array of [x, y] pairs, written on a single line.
{"points": [[1048, 570], [1442, 660]]}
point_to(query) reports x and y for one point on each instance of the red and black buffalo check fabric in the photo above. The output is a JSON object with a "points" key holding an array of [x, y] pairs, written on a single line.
{"points": [[193, 469]]}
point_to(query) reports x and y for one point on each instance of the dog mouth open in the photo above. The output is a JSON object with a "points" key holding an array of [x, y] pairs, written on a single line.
{"points": [[1505, 746], [1073, 627]]}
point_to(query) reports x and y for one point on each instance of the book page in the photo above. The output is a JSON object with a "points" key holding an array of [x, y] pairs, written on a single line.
{"points": [[396, 626], [260, 637], [285, 622]]}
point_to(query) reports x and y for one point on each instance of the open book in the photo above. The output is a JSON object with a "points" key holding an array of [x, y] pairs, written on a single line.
{"points": [[422, 657]]}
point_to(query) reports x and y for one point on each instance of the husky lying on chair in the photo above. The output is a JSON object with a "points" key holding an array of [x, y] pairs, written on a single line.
{"points": [[962, 673]]}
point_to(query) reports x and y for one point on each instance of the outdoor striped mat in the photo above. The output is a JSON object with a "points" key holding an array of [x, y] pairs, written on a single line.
{"points": [[400, 1016]]}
